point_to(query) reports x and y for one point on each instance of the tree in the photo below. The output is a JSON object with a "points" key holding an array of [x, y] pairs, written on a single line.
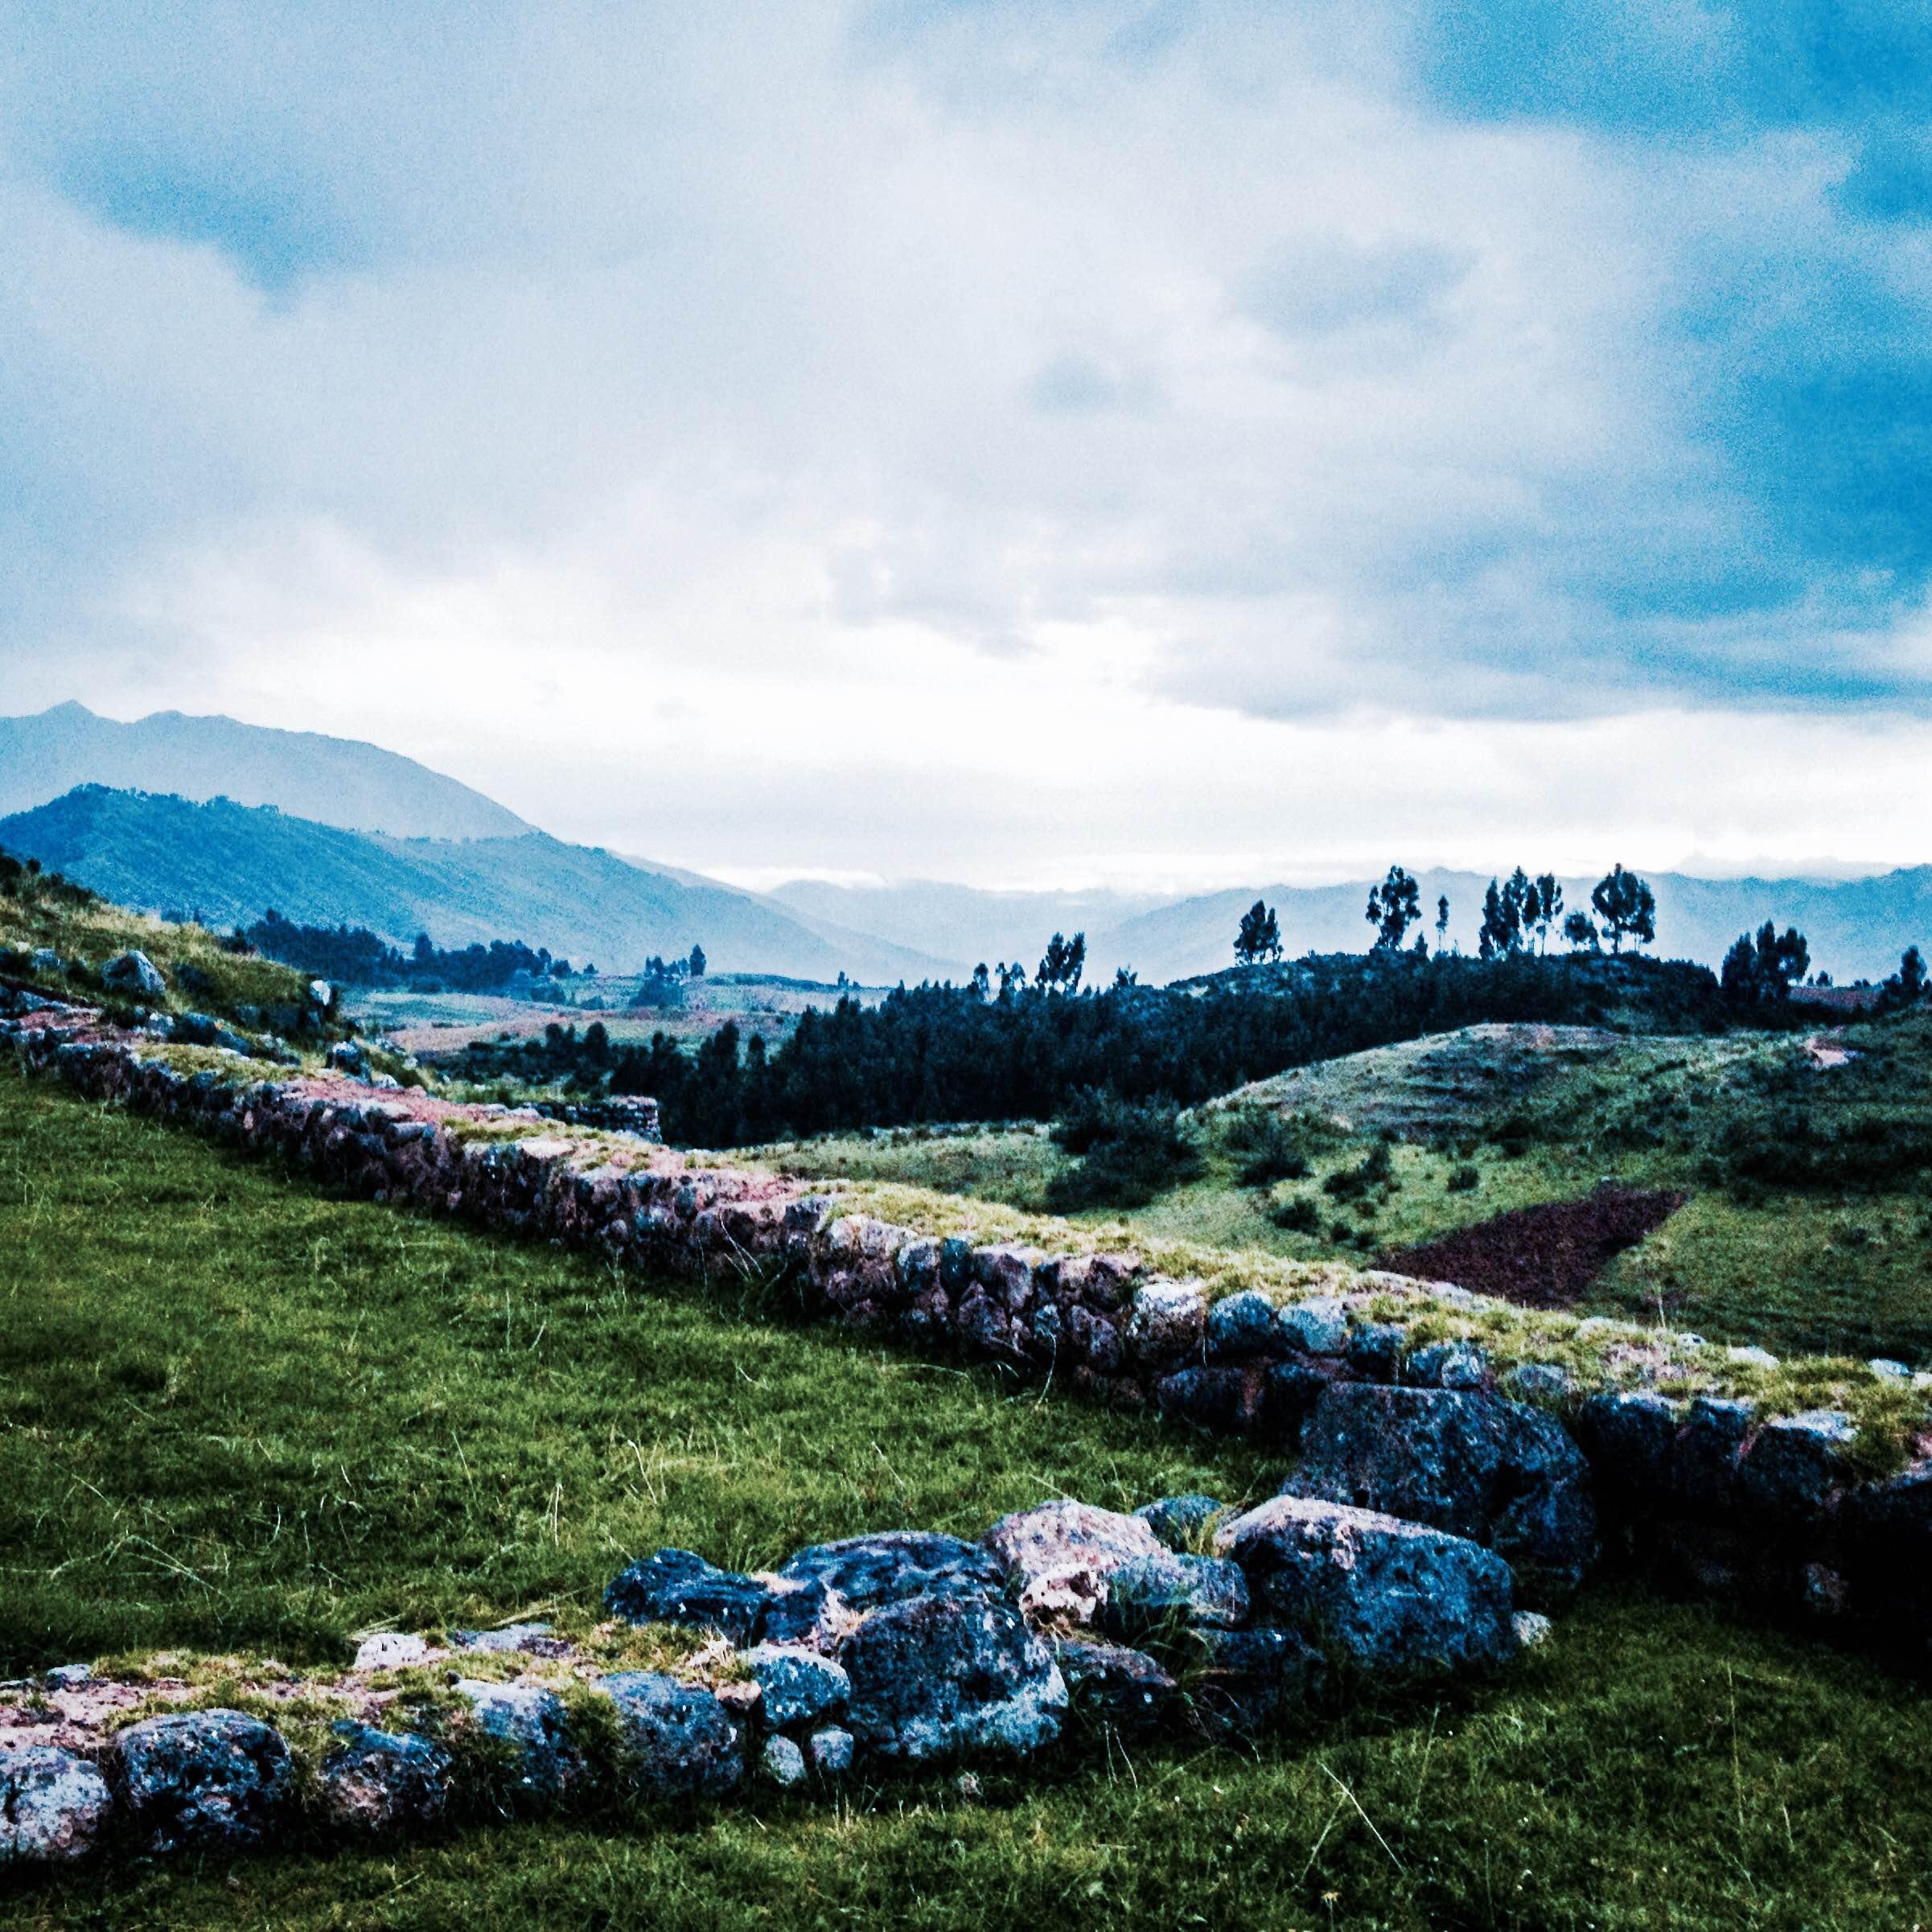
{"points": [[1259, 937], [1441, 922], [1521, 908], [1393, 907], [1549, 907], [1066, 960], [1125, 976], [1759, 971], [1579, 930], [425, 953], [982, 982], [1502, 923], [1626, 907], [698, 962], [1911, 976]]}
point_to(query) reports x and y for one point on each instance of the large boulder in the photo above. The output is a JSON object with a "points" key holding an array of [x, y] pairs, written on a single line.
{"points": [[1395, 1600], [890, 1566], [54, 1806], [1062, 1553], [135, 974], [944, 1676], [540, 1759], [217, 1781], [678, 1742], [1499, 1473], [678, 1586], [383, 1783]]}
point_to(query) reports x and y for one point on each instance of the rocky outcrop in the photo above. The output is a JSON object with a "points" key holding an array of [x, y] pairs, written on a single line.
{"points": [[923, 1648], [1775, 1508]]}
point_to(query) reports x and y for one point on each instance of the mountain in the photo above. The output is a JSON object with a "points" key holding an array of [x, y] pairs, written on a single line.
{"points": [[1857, 927], [334, 781], [964, 926], [228, 863]]}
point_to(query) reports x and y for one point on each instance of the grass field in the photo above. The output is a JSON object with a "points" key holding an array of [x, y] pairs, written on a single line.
{"points": [[1523, 1116], [236, 1413]]}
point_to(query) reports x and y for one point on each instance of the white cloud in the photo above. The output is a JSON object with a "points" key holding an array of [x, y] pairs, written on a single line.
{"points": [[1027, 445]]}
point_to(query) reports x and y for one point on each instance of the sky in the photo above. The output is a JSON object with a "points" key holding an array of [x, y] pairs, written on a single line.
{"points": [[1150, 443]]}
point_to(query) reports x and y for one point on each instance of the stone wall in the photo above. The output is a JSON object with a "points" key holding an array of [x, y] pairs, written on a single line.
{"points": [[1718, 1493]]}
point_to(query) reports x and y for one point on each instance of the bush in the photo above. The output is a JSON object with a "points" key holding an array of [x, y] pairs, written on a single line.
{"points": [[1297, 1216], [1464, 1179], [1129, 1155], [1353, 1183]]}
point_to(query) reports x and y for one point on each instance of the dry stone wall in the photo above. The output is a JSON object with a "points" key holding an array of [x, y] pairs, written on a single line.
{"points": [[1718, 1493], [1432, 1510]]}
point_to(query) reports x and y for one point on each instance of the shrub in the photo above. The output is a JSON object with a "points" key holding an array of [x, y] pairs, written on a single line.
{"points": [[1353, 1183], [1297, 1216], [1129, 1155], [1464, 1179]]}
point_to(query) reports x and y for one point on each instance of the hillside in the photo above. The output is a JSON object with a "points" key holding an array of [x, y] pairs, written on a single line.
{"points": [[334, 781], [228, 863]]}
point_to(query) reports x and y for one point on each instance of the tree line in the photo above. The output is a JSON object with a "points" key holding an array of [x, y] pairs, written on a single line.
{"points": [[1023, 1051], [356, 956], [1518, 914]]}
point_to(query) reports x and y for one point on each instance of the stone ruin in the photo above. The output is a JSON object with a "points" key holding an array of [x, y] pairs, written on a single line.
{"points": [[1435, 1510]]}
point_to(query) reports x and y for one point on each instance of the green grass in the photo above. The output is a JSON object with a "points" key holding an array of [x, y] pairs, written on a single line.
{"points": [[217, 981], [1542, 1114], [236, 1413]]}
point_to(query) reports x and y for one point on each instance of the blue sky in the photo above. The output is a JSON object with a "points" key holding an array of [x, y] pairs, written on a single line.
{"points": [[1014, 441]]}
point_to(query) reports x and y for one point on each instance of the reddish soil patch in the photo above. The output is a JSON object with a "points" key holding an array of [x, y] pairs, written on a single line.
{"points": [[1541, 1257]]}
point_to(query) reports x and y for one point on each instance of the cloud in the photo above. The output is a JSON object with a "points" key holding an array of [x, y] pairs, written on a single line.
{"points": [[1310, 364]]}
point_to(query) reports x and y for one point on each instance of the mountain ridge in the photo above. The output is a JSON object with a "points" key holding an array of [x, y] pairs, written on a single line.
{"points": [[346, 783], [228, 863]]}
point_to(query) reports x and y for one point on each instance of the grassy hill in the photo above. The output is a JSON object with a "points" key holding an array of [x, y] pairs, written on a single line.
{"points": [[236, 1413], [1807, 1227], [228, 863]]}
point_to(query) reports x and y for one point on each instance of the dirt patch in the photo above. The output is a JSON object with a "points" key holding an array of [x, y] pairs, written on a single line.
{"points": [[1541, 1257]]}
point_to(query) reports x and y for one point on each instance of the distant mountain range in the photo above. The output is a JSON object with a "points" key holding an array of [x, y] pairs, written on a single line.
{"points": [[1856, 927], [964, 925], [334, 781], [365, 836], [226, 864]]}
